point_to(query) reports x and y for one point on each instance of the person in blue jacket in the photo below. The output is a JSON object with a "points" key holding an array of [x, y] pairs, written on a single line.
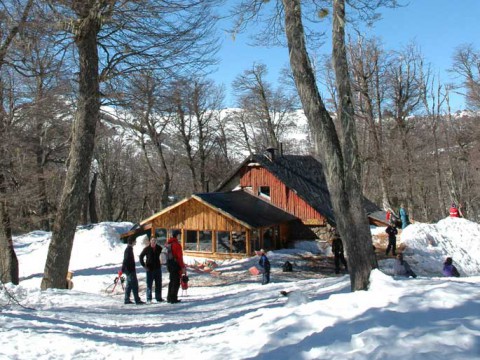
{"points": [[403, 216], [264, 264]]}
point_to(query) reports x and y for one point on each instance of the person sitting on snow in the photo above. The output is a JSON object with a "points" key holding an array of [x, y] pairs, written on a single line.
{"points": [[449, 269], [402, 268]]}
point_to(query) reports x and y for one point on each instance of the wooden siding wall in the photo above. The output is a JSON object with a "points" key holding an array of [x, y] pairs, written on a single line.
{"points": [[194, 215], [280, 195]]}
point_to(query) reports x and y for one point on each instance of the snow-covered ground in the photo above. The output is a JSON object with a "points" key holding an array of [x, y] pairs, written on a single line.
{"points": [[230, 315]]}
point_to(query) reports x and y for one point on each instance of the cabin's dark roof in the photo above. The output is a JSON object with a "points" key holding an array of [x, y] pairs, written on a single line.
{"points": [[300, 173], [246, 208], [380, 216]]}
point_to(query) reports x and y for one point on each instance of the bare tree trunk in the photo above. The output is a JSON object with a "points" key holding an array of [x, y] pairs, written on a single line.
{"points": [[342, 171], [365, 59], [42, 191], [358, 240], [92, 201], [434, 117], [81, 152], [8, 258]]}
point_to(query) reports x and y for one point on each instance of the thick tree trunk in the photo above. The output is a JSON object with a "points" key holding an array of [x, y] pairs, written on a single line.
{"points": [[8, 258], [343, 178], [358, 240], [83, 140]]}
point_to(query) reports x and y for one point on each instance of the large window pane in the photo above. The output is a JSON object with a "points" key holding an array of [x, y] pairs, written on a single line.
{"points": [[255, 240], [205, 241], [224, 244], [239, 242], [161, 235], [191, 242]]}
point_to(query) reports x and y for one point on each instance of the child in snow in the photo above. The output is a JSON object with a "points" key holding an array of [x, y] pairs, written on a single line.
{"points": [[402, 268], [264, 264], [455, 212], [449, 269]]}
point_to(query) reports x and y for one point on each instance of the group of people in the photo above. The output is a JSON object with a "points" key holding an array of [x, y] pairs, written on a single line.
{"points": [[400, 267], [402, 217], [150, 261]]}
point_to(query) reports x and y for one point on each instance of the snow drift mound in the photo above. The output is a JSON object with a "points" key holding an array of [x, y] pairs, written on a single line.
{"points": [[427, 246], [97, 245]]}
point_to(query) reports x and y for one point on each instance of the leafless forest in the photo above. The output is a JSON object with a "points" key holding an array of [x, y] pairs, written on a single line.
{"points": [[162, 136], [162, 131]]}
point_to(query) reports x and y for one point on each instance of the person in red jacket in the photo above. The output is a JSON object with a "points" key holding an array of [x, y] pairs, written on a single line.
{"points": [[176, 267], [454, 211]]}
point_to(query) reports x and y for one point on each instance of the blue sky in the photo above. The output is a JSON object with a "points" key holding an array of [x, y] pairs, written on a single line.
{"points": [[437, 27]]}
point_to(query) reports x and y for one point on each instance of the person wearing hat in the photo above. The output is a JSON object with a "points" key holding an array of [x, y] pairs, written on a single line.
{"points": [[176, 268], [153, 269], [264, 264]]}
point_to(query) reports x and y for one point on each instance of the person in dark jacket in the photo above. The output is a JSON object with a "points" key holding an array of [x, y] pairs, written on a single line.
{"points": [[264, 264], [128, 268], [153, 269], [392, 238], [176, 267], [338, 253], [449, 269]]}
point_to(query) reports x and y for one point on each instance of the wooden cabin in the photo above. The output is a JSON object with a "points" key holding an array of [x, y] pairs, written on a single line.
{"points": [[266, 202], [220, 225], [295, 184]]}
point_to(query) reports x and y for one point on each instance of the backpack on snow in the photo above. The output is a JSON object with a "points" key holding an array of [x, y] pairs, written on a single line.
{"points": [[287, 267]]}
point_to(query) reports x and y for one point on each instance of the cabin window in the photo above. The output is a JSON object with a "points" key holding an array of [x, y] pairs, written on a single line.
{"points": [[224, 242], [239, 242], [205, 241], [255, 240], [161, 235], [198, 240], [191, 240], [264, 191]]}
